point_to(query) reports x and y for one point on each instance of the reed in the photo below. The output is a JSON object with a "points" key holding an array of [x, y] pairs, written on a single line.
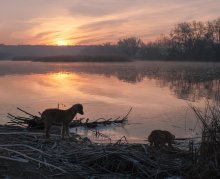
{"points": [[208, 154]]}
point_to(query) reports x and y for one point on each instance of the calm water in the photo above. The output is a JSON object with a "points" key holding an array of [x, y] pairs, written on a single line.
{"points": [[159, 92]]}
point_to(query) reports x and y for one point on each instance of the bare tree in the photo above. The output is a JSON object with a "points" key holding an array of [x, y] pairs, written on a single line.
{"points": [[130, 46]]}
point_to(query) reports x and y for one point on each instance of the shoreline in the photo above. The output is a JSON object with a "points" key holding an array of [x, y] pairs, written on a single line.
{"points": [[80, 158], [77, 58]]}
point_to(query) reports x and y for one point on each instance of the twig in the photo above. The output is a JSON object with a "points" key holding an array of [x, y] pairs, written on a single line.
{"points": [[23, 145], [38, 161], [13, 159], [25, 112]]}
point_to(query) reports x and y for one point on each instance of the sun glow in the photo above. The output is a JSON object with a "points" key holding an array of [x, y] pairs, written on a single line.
{"points": [[62, 79], [61, 42]]}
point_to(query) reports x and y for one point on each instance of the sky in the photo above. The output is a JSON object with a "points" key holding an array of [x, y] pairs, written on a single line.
{"points": [[87, 22]]}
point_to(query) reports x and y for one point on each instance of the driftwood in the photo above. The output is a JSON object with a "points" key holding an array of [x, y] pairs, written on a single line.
{"points": [[35, 122]]}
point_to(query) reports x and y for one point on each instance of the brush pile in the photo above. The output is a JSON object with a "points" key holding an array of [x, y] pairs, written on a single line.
{"points": [[35, 122]]}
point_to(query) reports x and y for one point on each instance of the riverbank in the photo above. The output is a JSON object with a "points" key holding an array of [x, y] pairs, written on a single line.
{"points": [[26, 154]]}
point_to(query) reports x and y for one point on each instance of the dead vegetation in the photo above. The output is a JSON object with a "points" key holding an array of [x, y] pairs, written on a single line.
{"points": [[207, 157], [21, 142], [79, 157]]}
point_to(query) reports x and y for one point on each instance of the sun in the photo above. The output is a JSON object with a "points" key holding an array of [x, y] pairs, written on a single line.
{"points": [[61, 42]]}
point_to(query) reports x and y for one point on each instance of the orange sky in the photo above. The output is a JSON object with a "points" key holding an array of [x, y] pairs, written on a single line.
{"points": [[71, 22]]}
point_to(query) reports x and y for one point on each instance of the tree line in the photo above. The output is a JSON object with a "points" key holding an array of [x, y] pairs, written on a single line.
{"points": [[186, 41]]}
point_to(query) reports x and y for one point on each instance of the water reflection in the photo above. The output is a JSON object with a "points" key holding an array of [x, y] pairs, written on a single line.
{"points": [[190, 81], [157, 91]]}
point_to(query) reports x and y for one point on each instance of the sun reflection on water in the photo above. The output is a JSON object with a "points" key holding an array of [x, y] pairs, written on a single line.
{"points": [[61, 75]]}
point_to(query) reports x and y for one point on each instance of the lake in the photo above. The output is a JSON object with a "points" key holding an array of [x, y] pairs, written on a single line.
{"points": [[158, 92]]}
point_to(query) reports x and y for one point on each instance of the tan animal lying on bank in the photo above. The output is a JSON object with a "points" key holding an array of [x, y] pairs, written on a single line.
{"points": [[159, 138], [63, 117]]}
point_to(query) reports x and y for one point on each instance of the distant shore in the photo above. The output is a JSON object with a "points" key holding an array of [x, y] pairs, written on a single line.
{"points": [[100, 58], [78, 58]]}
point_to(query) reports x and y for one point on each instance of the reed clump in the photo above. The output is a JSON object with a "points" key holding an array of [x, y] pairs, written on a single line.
{"points": [[208, 154]]}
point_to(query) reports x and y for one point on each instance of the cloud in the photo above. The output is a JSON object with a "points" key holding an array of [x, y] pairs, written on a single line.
{"points": [[102, 24], [98, 8], [98, 39], [89, 10], [45, 34], [44, 22]]}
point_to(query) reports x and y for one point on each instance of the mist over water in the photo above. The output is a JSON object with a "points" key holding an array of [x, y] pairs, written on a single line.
{"points": [[157, 91]]}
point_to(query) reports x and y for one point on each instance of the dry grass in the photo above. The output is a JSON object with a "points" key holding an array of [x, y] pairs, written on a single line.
{"points": [[80, 157], [207, 162]]}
